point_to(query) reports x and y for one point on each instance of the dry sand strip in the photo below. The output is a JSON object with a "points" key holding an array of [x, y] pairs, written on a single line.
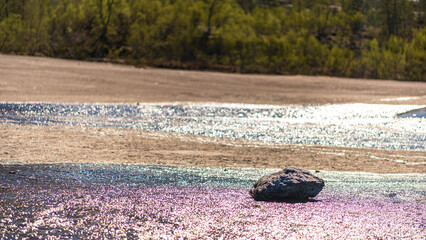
{"points": [[24, 79], [66, 144]]}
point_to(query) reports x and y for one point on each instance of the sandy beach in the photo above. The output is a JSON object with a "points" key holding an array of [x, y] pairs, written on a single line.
{"points": [[33, 79]]}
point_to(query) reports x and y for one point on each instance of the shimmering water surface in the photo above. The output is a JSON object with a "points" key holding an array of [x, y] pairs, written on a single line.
{"points": [[347, 125], [98, 201]]}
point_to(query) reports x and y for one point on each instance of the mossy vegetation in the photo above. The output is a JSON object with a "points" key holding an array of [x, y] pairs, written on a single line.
{"points": [[383, 39]]}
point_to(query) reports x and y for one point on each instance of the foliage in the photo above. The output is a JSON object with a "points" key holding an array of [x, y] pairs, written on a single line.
{"points": [[383, 39]]}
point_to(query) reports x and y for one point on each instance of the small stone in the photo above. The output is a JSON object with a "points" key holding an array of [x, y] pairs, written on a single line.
{"points": [[289, 184], [12, 172]]}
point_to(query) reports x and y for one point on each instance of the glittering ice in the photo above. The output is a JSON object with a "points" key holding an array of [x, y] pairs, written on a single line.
{"points": [[94, 201], [346, 125]]}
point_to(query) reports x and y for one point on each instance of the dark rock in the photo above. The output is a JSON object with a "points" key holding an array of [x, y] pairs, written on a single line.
{"points": [[290, 183], [419, 113]]}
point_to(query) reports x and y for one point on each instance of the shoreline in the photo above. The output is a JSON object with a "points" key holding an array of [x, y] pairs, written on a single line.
{"points": [[39, 79]]}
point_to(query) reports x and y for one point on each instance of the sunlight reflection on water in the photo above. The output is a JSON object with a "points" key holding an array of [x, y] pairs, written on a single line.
{"points": [[344, 125]]}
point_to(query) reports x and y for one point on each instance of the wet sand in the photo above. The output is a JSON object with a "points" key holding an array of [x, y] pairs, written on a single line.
{"points": [[29, 79], [58, 144]]}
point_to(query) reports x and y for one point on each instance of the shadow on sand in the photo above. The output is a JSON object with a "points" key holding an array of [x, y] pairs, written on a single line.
{"points": [[290, 200]]}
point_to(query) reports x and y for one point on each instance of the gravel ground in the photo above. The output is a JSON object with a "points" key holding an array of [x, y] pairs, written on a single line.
{"points": [[95, 201]]}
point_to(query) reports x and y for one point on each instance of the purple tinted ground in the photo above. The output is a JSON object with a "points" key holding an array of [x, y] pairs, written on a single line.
{"points": [[75, 204], [202, 212]]}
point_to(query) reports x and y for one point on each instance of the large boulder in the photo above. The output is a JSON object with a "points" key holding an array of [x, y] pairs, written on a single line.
{"points": [[289, 184]]}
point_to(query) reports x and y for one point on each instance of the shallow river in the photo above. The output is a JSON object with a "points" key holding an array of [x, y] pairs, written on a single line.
{"points": [[345, 125]]}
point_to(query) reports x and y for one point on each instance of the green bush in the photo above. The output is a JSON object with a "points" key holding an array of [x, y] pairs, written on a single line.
{"points": [[353, 38]]}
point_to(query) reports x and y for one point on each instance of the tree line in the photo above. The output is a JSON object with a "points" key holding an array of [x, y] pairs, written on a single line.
{"points": [[380, 39]]}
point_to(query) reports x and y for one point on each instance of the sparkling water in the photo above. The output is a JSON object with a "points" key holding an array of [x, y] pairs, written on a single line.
{"points": [[343, 125]]}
